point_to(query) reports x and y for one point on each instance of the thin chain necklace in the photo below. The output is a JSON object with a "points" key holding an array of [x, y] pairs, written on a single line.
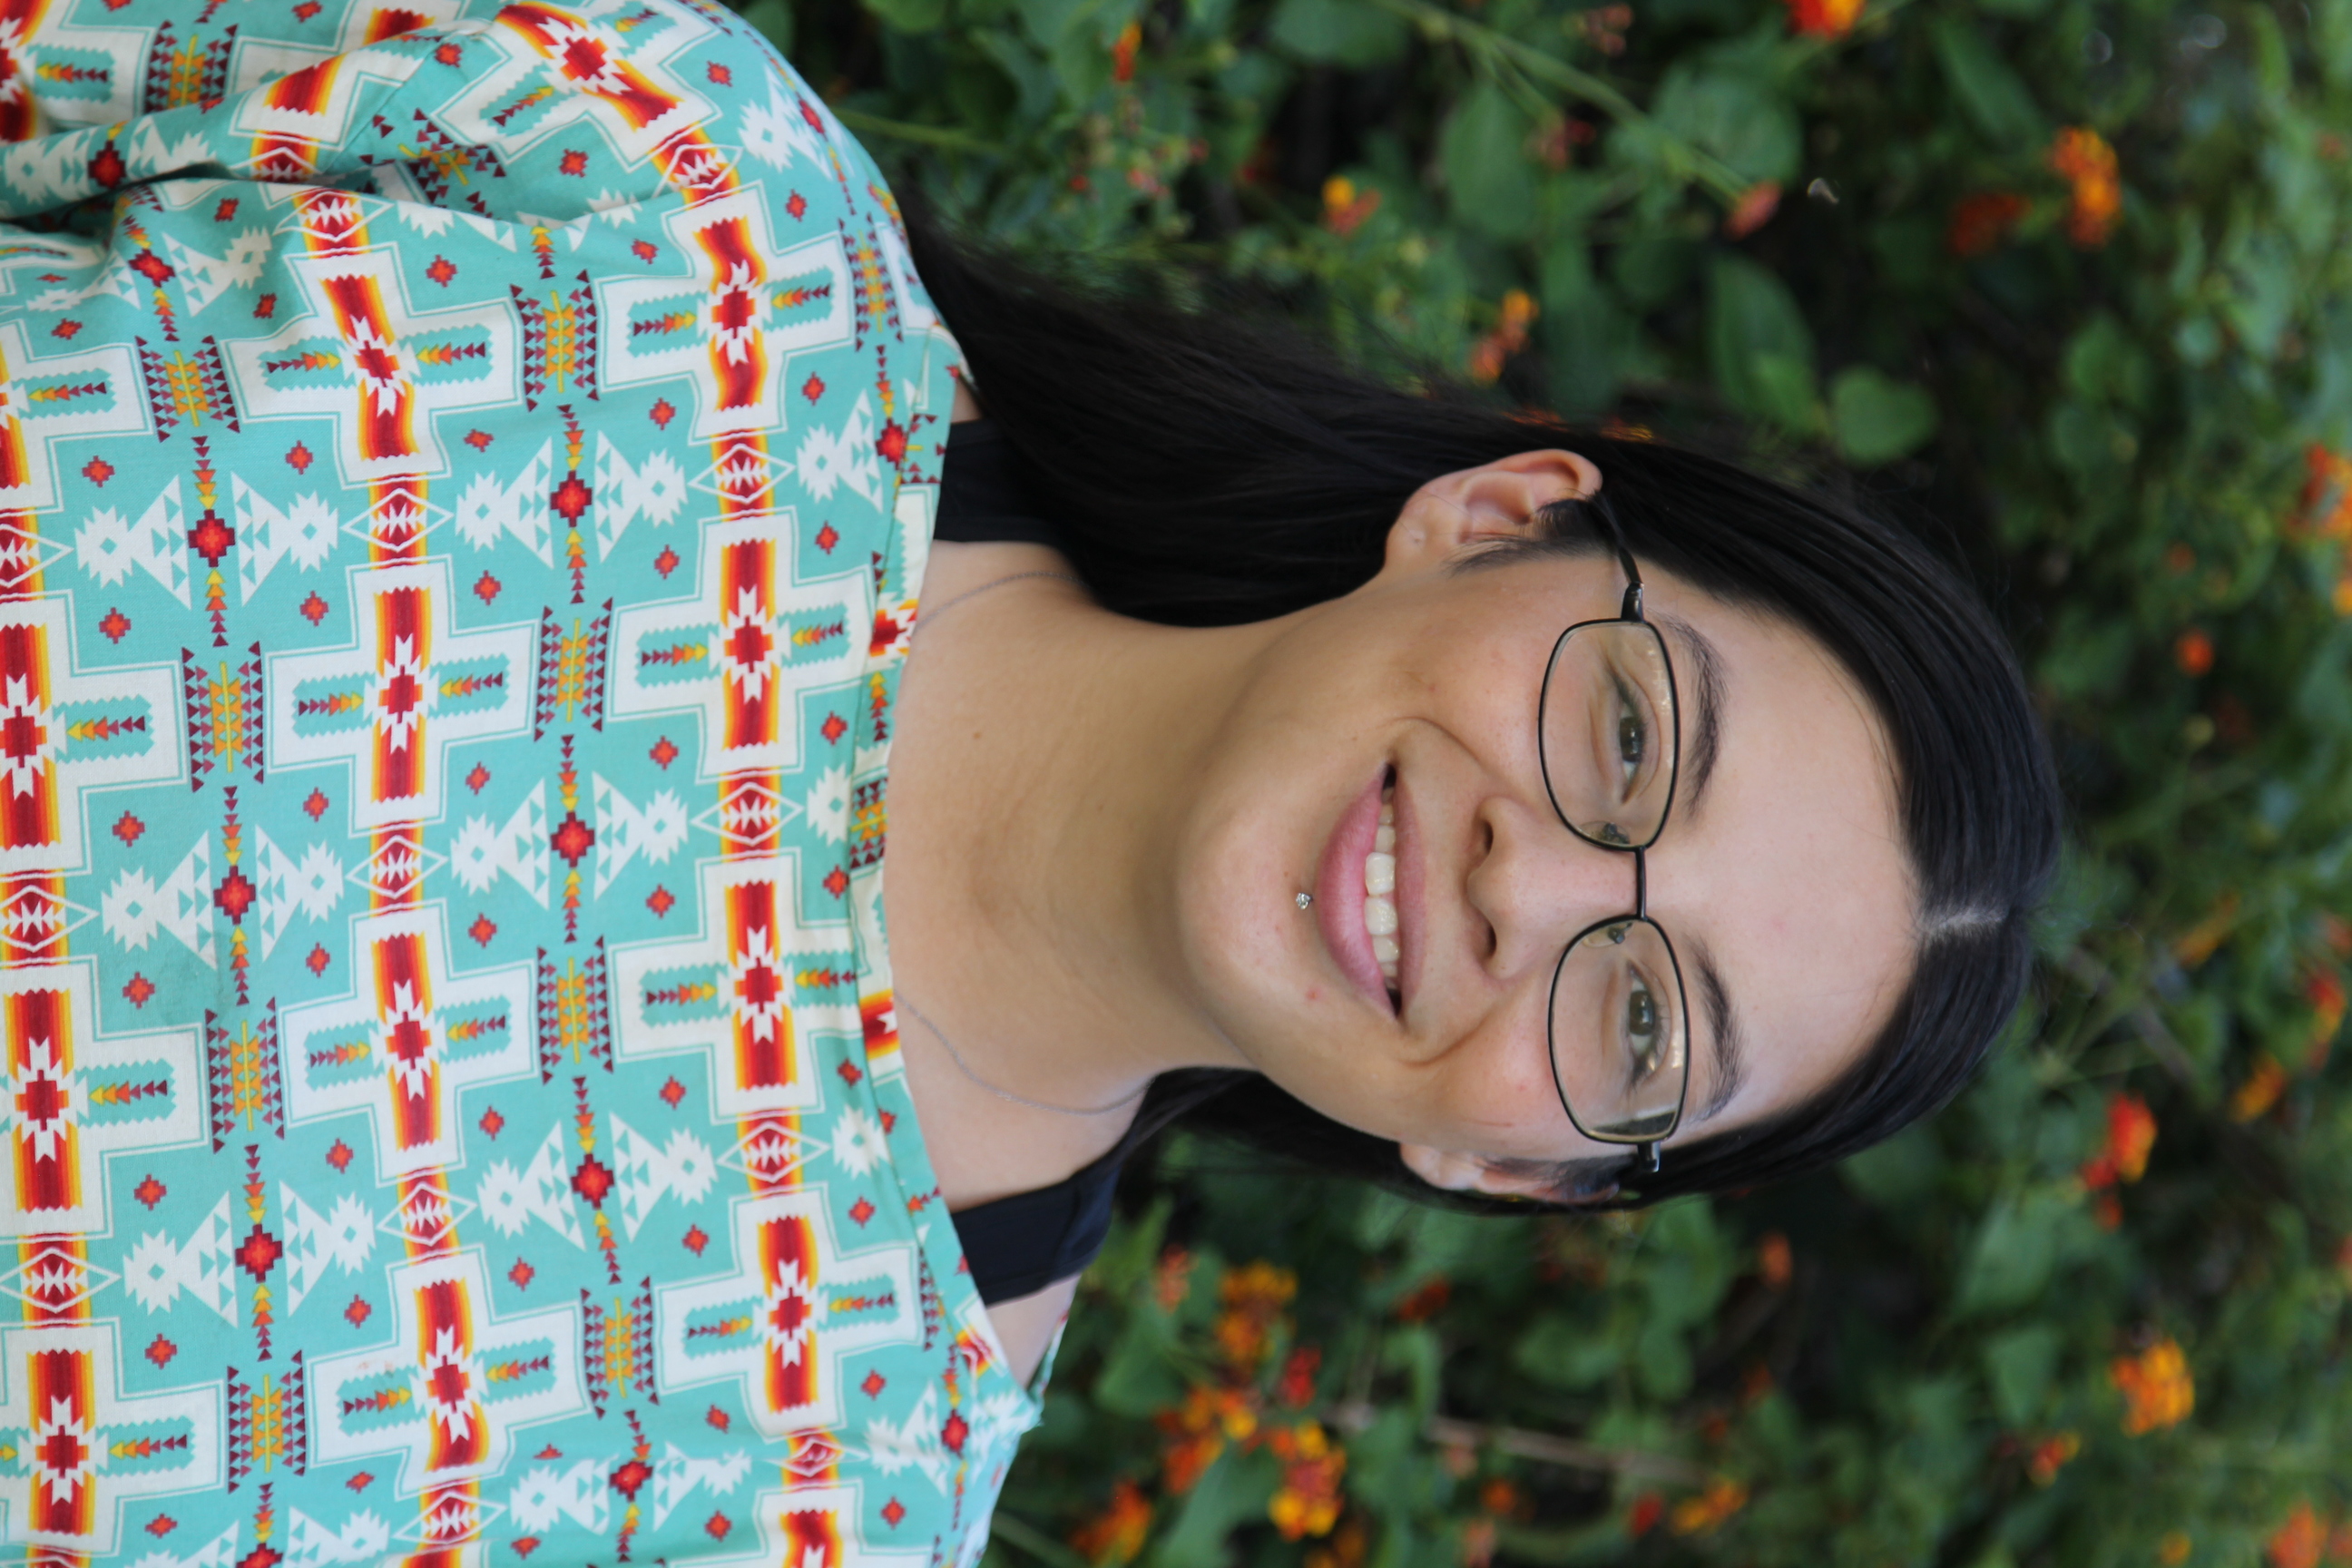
{"points": [[925, 617], [915, 1012], [965, 1067]]}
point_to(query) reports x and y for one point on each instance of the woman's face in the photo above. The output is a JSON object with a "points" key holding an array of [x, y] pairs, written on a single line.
{"points": [[1780, 877]]}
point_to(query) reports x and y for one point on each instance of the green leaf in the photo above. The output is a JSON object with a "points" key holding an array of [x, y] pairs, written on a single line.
{"points": [[1737, 118], [2010, 1262], [1991, 94], [1876, 419], [1483, 151], [1349, 33], [910, 15], [2019, 1366], [1758, 346], [1566, 1351], [1236, 1488], [774, 19], [1138, 1377]]}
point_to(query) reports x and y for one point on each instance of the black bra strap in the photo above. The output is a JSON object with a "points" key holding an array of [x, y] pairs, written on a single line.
{"points": [[1017, 1245], [984, 497]]}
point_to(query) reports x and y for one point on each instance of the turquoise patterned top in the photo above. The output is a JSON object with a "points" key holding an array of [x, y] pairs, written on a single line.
{"points": [[465, 475]]}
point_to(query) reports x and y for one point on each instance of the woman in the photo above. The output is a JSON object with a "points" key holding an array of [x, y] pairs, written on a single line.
{"points": [[471, 473]]}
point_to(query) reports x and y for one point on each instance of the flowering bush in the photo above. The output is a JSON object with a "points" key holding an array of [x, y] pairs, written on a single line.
{"points": [[2067, 278]]}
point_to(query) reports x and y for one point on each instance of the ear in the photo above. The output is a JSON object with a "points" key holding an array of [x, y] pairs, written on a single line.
{"points": [[1496, 500], [1468, 1174]]}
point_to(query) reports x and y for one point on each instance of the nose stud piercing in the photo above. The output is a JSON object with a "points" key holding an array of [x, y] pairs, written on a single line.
{"points": [[1305, 899]]}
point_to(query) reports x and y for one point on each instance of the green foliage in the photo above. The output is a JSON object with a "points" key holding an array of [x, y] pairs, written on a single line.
{"points": [[2123, 389]]}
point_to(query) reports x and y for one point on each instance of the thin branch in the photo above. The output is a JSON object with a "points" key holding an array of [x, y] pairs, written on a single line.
{"points": [[1014, 1532], [906, 131], [1542, 1448]]}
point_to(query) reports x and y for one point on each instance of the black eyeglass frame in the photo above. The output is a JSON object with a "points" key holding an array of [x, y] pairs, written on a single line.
{"points": [[1649, 1145]]}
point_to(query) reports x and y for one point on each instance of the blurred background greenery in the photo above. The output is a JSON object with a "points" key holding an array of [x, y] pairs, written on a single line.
{"points": [[2062, 281]]}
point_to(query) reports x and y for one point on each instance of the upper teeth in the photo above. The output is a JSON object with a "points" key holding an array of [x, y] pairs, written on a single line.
{"points": [[1379, 887]]}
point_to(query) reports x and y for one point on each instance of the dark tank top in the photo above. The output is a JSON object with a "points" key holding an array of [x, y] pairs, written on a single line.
{"points": [[1021, 1244]]}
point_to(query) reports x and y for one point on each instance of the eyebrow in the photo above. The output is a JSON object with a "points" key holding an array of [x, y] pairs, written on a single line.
{"points": [[1706, 714], [1730, 1048]]}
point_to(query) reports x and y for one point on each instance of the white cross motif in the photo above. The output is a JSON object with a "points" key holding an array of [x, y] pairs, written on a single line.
{"points": [[728, 992], [751, 301], [410, 1040], [361, 353], [408, 687], [53, 1060], [131, 714], [792, 1311], [63, 1408], [448, 1387], [744, 649]]}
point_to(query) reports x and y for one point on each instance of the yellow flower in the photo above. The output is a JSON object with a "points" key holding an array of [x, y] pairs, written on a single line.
{"points": [[2157, 1387], [2172, 1551], [1706, 1512], [1308, 1502]]}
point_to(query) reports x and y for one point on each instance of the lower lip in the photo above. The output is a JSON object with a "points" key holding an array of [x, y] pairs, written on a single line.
{"points": [[1339, 894]]}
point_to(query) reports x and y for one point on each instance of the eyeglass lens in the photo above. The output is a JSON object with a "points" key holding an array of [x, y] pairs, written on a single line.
{"points": [[1620, 1041]]}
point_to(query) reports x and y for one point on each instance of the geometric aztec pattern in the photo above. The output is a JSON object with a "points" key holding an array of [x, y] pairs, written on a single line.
{"points": [[465, 470]]}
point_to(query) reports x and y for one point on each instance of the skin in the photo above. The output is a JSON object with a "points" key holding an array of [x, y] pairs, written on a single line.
{"points": [[1098, 828]]}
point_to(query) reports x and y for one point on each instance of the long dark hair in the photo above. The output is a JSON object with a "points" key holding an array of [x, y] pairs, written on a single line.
{"points": [[1214, 468]]}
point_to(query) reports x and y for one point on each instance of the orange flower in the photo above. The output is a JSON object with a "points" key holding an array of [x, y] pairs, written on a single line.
{"points": [[2157, 1388], [1171, 1281], [2193, 652], [2050, 1456], [2196, 944], [1500, 1498], [1753, 210], [1115, 1534], [1980, 222], [2173, 1548], [1254, 1298], [2298, 1543], [1704, 1513], [2131, 1133], [2326, 493], [1346, 1549], [1122, 53], [2082, 158], [1344, 211], [1774, 1261], [1509, 336], [2252, 1098], [1644, 1516], [1426, 1301], [1297, 1387], [1307, 1501], [1822, 19], [1198, 1430], [2324, 992]]}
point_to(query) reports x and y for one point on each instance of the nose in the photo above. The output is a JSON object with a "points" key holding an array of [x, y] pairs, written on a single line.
{"points": [[1536, 885]]}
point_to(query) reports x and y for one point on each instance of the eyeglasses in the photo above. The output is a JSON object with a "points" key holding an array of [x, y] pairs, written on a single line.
{"points": [[1609, 739]]}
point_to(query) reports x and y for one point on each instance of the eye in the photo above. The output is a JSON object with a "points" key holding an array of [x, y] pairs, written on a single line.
{"points": [[1642, 1031], [1632, 734]]}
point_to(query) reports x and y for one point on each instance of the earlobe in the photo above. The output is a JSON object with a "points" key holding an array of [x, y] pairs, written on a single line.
{"points": [[1501, 500], [1455, 1172]]}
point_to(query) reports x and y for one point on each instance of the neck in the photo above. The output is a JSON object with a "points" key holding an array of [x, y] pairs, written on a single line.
{"points": [[1044, 757]]}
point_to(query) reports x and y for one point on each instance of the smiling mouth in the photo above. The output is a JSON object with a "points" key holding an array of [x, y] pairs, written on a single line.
{"points": [[1380, 893]]}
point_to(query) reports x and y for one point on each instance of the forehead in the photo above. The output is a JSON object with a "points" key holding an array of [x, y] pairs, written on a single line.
{"points": [[1788, 876]]}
